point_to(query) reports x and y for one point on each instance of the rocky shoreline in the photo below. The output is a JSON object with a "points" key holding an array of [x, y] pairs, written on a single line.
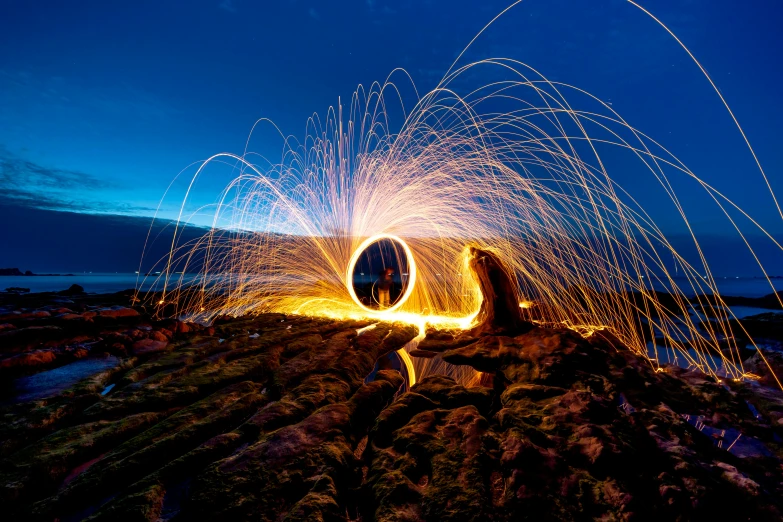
{"points": [[29, 273], [272, 417]]}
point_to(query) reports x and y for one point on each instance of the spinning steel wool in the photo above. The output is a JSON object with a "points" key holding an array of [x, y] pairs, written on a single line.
{"points": [[513, 166]]}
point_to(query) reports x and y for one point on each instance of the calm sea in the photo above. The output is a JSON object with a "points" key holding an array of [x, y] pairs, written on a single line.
{"points": [[95, 282], [107, 283]]}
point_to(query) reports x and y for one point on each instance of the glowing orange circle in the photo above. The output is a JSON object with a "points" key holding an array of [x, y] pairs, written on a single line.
{"points": [[411, 271]]}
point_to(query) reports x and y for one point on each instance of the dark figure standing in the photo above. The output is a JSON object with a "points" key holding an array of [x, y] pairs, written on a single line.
{"points": [[385, 283]]}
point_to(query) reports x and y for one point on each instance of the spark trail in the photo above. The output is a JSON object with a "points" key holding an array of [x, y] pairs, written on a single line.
{"points": [[516, 166]]}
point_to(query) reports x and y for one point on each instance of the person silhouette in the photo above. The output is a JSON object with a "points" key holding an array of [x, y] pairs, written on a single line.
{"points": [[385, 283]]}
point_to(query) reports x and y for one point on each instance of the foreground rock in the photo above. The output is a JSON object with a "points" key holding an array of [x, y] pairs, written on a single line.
{"points": [[574, 429], [217, 425], [44, 331], [273, 418]]}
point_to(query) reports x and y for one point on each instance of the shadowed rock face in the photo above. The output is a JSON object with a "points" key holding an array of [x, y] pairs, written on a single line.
{"points": [[270, 418], [226, 425], [574, 429], [499, 311]]}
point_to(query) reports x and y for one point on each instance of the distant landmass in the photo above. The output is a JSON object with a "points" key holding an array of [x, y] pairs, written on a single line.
{"points": [[49, 240], [17, 272]]}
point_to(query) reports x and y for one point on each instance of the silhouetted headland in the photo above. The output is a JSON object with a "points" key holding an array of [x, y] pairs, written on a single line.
{"points": [[17, 272]]}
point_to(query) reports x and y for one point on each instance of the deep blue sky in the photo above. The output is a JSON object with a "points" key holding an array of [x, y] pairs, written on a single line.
{"points": [[103, 103]]}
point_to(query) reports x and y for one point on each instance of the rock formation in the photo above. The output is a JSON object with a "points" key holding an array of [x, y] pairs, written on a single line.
{"points": [[499, 312], [274, 418], [578, 429]]}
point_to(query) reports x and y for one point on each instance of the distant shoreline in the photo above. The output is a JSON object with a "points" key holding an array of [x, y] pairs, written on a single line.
{"points": [[16, 272]]}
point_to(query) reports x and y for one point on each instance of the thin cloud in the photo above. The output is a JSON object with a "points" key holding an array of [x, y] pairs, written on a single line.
{"points": [[68, 96], [314, 14], [228, 5], [376, 8], [28, 184], [380, 14]]}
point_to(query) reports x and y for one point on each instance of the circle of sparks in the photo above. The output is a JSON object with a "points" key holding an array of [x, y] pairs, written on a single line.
{"points": [[355, 258], [517, 164]]}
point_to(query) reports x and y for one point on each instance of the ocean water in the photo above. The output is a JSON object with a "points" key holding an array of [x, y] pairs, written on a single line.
{"points": [[52, 382], [734, 286], [103, 283], [99, 283], [107, 283]]}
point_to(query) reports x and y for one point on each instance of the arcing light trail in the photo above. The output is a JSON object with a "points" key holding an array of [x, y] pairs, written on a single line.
{"points": [[512, 166]]}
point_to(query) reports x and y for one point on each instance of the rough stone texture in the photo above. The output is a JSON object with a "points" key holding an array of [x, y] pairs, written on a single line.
{"points": [[38, 333], [220, 422], [270, 418], [761, 367], [499, 311], [147, 346], [574, 429]]}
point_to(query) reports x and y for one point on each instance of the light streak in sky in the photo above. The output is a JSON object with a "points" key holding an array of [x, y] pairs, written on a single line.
{"points": [[513, 163]]}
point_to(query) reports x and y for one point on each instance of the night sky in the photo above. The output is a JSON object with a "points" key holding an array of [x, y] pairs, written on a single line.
{"points": [[103, 103]]}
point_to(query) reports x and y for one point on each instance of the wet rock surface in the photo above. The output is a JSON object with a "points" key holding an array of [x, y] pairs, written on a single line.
{"points": [[572, 429], [44, 331], [272, 418], [256, 415], [764, 327]]}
